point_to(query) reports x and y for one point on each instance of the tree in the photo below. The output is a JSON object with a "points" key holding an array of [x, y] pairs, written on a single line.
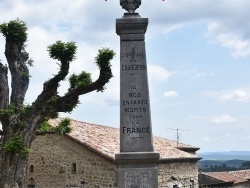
{"points": [[21, 122], [245, 165]]}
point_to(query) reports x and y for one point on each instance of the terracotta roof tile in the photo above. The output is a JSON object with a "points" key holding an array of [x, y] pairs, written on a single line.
{"points": [[168, 149], [106, 141], [226, 177], [245, 174]]}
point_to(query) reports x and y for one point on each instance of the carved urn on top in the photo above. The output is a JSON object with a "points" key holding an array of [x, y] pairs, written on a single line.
{"points": [[130, 5]]}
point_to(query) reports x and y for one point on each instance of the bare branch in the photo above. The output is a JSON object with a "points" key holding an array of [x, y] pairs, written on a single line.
{"points": [[15, 33], [16, 58], [70, 100], [50, 87], [65, 53]]}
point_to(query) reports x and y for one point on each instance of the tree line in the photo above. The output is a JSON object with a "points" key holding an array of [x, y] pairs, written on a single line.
{"points": [[219, 168]]}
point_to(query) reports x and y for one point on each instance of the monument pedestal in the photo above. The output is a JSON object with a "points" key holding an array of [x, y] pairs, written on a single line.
{"points": [[137, 169]]}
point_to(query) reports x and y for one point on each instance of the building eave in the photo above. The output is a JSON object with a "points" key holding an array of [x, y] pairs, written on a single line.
{"points": [[179, 160], [188, 149]]}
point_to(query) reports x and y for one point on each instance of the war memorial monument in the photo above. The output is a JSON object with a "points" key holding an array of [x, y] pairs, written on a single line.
{"points": [[137, 161]]}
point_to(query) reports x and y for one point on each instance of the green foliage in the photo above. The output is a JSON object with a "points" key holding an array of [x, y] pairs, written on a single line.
{"points": [[71, 105], [15, 30], [25, 152], [104, 56], [19, 111], [45, 127], [19, 126], [8, 111], [24, 77], [103, 61], [53, 115], [62, 51], [63, 127], [80, 81], [16, 144], [230, 165], [245, 165], [218, 168], [30, 62], [24, 109]]}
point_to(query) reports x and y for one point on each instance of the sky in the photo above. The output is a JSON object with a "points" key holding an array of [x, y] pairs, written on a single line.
{"points": [[198, 56]]}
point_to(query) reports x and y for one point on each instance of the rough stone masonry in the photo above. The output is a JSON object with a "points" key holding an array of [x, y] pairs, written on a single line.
{"points": [[137, 161]]}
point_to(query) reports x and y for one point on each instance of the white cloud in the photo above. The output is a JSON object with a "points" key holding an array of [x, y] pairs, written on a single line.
{"points": [[223, 119], [196, 73], [215, 119], [241, 95], [227, 20], [230, 39], [169, 94], [157, 73]]}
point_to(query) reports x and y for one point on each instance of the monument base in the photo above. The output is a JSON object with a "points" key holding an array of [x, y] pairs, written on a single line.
{"points": [[137, 169]]}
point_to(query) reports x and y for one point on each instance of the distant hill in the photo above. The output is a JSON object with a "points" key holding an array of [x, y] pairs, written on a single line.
{"points": [[230, 155], [230, 163], [224, 161]]}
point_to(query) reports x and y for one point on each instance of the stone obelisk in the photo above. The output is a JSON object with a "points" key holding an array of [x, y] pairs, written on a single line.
{"points": [[137, 161]]}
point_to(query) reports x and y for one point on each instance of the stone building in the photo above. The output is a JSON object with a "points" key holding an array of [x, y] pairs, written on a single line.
{"points": [[86, 158]]}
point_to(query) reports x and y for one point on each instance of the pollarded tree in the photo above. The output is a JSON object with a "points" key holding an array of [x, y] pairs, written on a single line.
{"points": [[21, 123]]}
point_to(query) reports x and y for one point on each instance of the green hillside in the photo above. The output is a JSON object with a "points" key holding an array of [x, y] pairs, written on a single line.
{"points": [[217, 166]]}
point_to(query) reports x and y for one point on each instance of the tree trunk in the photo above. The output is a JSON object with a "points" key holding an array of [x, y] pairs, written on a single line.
{"points": [[13, 163], [4, 88], [13, 170]]}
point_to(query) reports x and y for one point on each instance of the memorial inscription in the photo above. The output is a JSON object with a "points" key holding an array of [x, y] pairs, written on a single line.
{"points": [[135, 104], [135, 109], [137, 179], [133, 67]]}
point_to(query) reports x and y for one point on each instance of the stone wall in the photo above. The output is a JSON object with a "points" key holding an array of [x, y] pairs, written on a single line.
{"points": [[178, 173], [58, 162]]}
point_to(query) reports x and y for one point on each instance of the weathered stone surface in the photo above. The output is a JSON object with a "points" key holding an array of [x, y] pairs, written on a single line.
{"points": [[136, 131], [137, 163], [138, 177], [178, 173], [137, 169], [52, 157]]}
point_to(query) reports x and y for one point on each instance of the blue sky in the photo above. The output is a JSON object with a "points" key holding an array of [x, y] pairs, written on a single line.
{"points": [[198, 55]]}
